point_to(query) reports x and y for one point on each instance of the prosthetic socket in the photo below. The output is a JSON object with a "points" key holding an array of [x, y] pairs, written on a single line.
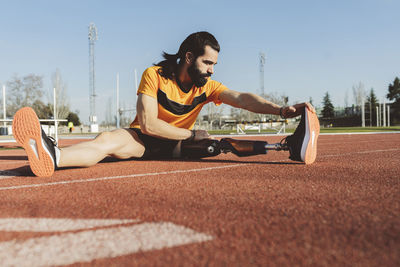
{"points": [[209, 148]]}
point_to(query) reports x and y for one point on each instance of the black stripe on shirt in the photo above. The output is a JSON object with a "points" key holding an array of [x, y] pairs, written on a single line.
{"points": [[176, 108]]}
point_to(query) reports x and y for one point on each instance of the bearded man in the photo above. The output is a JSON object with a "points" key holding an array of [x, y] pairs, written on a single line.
{"points": [[170, 97]]}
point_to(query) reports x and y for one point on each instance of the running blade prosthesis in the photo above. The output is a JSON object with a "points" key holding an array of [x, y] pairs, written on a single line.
{"points": [[302, 144]]}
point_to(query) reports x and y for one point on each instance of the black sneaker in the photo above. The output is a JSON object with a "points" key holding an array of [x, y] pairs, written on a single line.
{"points": [[302, 144], [39, 147]]}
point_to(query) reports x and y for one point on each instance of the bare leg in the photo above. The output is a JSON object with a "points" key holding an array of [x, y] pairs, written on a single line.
{"points": [[120, 143]]}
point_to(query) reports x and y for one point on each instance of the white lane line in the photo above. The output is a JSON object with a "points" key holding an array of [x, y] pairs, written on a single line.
{"points": [[359, 152], [8, 174], [121, 177], [8, 162], [173, 172], [56, 224], [69, 248]]}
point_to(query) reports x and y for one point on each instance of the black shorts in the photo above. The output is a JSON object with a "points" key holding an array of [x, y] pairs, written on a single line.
{"points": [[156, 148]]}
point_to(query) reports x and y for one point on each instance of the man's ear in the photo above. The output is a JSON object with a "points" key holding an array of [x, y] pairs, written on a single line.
{"points": [[189, 58]]}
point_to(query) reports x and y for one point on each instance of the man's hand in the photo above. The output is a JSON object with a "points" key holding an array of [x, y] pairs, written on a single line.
{"points": [[295, 110], [200, 135]]}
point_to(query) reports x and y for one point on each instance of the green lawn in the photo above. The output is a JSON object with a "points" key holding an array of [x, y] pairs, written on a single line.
{"points": [[359, 129], [9, 148]]}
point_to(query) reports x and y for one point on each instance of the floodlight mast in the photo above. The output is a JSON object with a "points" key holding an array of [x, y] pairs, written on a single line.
{"points": [[92, 74]]}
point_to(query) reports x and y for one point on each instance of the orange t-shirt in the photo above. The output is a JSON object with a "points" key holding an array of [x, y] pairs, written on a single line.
{"points": [[174, 105]]}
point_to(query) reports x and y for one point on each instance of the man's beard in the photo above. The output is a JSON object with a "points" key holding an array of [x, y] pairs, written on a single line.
{"points": [[199, 79]]}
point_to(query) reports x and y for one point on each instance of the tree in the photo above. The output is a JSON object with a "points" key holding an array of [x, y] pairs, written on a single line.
{"points": [[346, 99], [72, 116], [328, 110], [109, 114], [358, 94], [42, 111], [24, 91], [61, 95], [274, 97], [394, 94], [370, 105], [394, 90]]}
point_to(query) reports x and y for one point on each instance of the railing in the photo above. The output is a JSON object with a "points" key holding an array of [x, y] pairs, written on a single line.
{"points": [[42, 120], [241, 128]]}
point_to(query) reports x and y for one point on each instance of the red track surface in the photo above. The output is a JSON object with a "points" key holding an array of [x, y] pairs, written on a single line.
{"points": [[265, 210]]}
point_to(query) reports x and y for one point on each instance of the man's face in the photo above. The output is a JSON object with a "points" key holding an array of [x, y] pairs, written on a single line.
{"points": [[203, 67]]}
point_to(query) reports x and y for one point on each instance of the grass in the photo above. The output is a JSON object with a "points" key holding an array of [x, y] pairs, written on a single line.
{"points": [[9, 148], [359, 129]]}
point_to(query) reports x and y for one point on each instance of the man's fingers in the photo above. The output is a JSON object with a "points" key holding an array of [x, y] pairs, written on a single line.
{"points": [[295, 110], [201, 134]]}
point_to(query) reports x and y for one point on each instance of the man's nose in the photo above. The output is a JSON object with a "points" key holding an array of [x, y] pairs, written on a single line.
{"points": [[210, 70]]}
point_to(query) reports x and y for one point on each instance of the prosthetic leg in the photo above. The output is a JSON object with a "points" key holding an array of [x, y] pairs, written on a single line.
{"points": [[242, 148], [302, 144]]}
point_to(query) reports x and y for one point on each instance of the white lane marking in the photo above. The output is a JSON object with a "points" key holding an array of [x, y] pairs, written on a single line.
{"points": [[173, 172], [7, 174], [12, 161], [121, 177], [360, 152], [69, 248], [56, 224]]}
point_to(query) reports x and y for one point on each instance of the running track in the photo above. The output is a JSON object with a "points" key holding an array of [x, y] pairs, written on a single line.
{"points": [[225, 211]]}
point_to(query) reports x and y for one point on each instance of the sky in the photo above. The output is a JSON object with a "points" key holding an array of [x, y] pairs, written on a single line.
{"points": [[311, 47]]}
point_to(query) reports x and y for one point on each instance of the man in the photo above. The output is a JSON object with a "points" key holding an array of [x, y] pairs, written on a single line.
{"points": [[170, 97], [70, 126]]}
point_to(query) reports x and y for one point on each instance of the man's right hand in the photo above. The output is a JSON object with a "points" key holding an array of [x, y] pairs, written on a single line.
{"points": [[200, 135]]}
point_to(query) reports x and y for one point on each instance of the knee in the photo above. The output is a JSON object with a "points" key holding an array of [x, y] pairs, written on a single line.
{"points": [[118, 143], [103, 138], [107, 142]]}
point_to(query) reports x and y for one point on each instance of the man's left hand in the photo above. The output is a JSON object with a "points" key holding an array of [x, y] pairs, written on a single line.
{"points": [[295, 110]]}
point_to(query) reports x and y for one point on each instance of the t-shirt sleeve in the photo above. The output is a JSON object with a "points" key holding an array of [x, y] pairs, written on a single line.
{"points": [[215, 88], [149, 83]]}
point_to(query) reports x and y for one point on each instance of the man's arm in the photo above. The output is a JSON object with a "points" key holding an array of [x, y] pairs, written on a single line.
{"points": [[248, 101], [257, 104], [150, 124]]}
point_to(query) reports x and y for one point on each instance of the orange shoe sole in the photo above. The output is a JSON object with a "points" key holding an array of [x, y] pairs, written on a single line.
{"points": [[28, 133], [309, 148]]}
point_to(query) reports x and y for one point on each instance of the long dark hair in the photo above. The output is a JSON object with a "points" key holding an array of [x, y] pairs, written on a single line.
{"points": [[194, 43]]}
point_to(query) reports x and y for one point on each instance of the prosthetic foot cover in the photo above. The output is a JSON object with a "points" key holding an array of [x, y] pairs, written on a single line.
{"points": [[243, 148]]}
